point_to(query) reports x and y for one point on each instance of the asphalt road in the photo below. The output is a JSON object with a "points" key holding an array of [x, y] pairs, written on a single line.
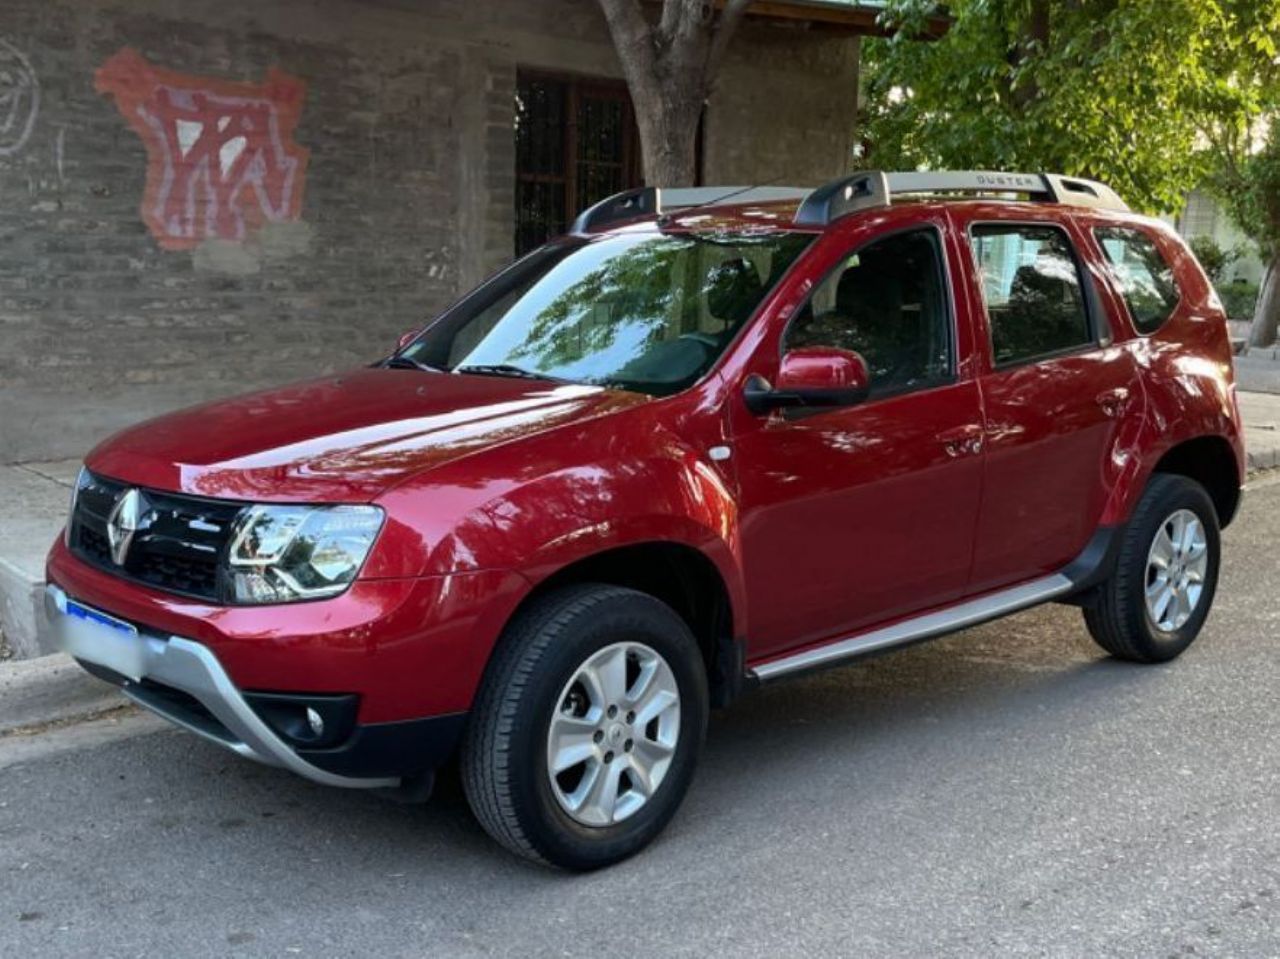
{"points": [[1007, 791]]}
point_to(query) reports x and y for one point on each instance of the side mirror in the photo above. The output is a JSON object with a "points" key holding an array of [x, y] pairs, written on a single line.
{"points": [[406, 339], [812, 377]]}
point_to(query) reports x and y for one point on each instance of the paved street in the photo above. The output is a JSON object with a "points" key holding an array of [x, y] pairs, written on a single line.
{"points": [[1007, 791]]}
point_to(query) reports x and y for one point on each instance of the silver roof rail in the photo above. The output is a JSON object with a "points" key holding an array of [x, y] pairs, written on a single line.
{"points": [[868, 189], [864, 190], [652, 201]]}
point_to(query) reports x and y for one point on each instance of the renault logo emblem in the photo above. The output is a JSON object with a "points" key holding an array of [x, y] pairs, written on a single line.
{"points": [[128, 515]]}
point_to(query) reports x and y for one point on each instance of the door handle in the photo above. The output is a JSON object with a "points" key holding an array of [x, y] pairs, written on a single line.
{"points": [[962, 441], [1114, 402]]}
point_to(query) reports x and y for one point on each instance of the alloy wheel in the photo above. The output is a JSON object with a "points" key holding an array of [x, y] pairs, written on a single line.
{"points": [[1177, 564], [614, 733]]}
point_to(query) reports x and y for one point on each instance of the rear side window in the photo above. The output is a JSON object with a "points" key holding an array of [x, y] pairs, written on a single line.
{"points": [[1031, 282], [1143, 275]]}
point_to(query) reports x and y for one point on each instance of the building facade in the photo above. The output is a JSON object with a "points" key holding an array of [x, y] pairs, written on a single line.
{"points": [[211, 196], [1204, 216]]}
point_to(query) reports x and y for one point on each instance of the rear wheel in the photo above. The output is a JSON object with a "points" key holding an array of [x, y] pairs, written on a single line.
{"points": [[1156, 601], [584, 735]]}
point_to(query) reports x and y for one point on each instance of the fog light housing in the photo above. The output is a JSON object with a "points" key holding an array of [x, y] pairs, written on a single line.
{"points": [[307, 720]]}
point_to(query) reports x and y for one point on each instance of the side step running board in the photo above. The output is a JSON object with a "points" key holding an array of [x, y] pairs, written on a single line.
{"points": [[926, 626]]}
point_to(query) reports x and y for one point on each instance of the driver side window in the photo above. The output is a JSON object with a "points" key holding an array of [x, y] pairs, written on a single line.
{"points": [[887, 302]]}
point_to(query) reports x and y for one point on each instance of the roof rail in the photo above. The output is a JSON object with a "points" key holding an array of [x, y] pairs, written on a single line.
{"points": [[829, 202], [864, 190], [1080, 192], [627, 205], [868, 189], [652, 201]]}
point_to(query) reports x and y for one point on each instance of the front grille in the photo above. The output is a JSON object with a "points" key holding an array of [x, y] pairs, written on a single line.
{"points": [[179, 544]]}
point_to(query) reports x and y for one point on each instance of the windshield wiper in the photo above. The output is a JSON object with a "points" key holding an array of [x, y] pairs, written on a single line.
{"points": [[405, 363], [506, 369]]}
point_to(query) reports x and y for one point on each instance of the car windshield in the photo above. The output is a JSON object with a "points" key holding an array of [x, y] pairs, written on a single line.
{"points": [[642, 311]]}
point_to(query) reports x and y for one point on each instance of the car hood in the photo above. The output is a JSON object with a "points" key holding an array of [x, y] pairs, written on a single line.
{"points": [[341, 439]]}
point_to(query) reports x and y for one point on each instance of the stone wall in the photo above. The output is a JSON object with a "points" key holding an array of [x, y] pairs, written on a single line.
{"points": [[364, 153]]}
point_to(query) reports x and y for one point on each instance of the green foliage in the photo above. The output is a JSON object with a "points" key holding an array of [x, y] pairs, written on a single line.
{"points": [[1213, 257], [1118, 90], [1250, 187], [1239, 299]]}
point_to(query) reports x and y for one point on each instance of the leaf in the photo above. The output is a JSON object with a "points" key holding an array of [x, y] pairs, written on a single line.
{"points": [[1138, 94]]}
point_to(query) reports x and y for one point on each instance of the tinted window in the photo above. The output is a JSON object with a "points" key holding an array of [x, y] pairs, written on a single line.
{"points": [[643, 311], [1032, 287], [888, 302], [1144, 278]]}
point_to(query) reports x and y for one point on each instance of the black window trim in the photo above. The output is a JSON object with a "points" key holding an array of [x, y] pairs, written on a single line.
{"points": [[940, 245], [1099, 329], [1115, 281]]}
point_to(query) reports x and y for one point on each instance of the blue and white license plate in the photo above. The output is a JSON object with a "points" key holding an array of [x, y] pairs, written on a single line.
{"points": [[97, 637]]}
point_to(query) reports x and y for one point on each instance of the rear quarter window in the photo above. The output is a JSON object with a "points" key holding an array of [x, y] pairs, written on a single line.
{"points": [[1143, 275]]}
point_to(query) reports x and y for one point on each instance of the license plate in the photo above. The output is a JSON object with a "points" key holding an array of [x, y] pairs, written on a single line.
{"points": [[98, 637]]}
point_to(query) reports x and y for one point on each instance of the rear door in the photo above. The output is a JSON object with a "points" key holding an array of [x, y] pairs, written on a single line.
{"points": [[1056, 392]]}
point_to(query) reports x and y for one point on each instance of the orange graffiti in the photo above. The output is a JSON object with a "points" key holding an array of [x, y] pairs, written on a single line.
{"points": [[221, 158]]}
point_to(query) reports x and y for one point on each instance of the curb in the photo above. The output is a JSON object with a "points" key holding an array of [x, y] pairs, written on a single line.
{"points": [[1262, 461], [22, 617], [49, 690]]}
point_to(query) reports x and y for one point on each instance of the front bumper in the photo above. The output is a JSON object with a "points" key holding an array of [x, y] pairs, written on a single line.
{"points": [[183, 681], [408, 648]]}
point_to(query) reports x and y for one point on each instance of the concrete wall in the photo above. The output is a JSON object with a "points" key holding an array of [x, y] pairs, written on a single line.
{"points": [[396, 192], [1204, 216], [783, 110]]}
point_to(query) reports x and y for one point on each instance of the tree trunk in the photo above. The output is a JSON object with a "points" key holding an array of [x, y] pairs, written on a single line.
{"points": [[670, 67], [1266, 314], [669, 140]]}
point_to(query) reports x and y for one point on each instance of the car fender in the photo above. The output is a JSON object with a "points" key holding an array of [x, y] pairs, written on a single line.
{"points": [[1189, 395], [562, 504]]}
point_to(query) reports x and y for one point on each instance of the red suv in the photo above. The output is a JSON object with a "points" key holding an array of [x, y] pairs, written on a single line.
{"points": [[705, 441]]}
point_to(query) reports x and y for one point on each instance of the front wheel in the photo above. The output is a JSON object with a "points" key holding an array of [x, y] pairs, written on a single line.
{"points": [[584, 735], [1159, 594]]}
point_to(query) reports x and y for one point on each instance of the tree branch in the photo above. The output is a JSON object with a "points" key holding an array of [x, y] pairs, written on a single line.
{"points": [[632, 37], [730, 17], [670, 22]]}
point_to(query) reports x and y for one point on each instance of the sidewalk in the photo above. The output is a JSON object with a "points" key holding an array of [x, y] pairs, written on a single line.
{"points": [[1258, 371], [33, 507], [34, 496], [1261, 415]]}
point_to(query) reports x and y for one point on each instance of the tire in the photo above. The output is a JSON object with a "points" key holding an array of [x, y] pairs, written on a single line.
{"points": [[1120, 619], [549, 656]]}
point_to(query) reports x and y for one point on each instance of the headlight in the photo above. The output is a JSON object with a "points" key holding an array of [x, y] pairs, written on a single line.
{"points": [[82, 480], [280, 554]]}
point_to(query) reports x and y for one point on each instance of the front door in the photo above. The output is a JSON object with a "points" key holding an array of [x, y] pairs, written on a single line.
{"points": [[858, 515]]}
